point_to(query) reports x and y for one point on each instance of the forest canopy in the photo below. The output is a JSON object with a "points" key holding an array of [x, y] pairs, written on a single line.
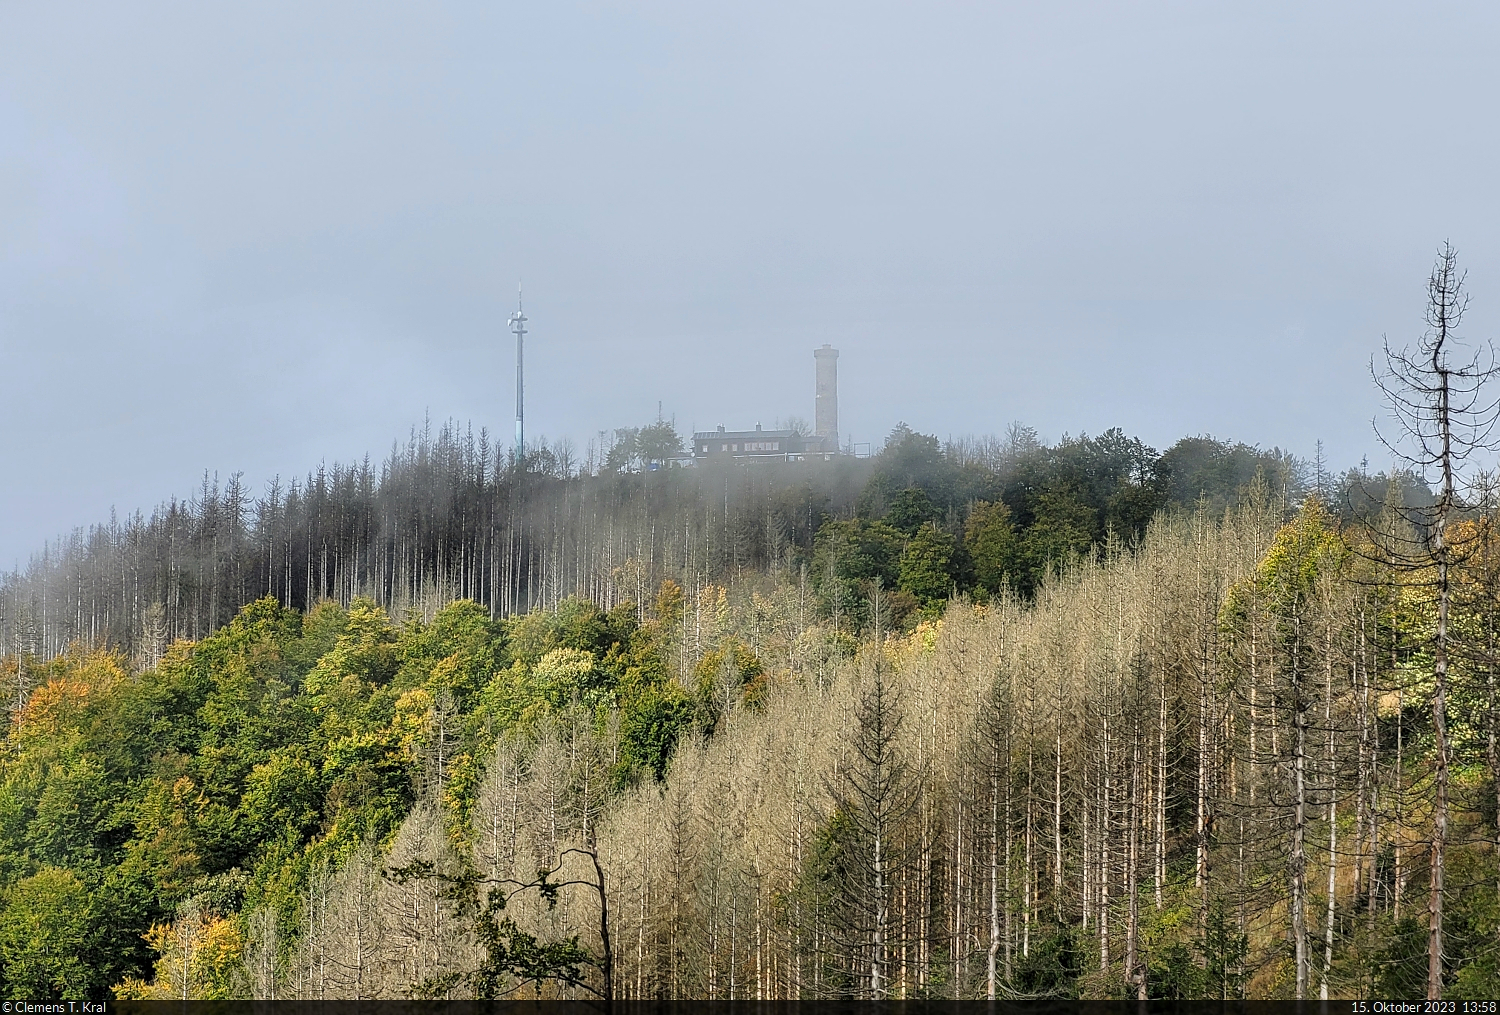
{"points": [[450, 515], [1116, 723]]}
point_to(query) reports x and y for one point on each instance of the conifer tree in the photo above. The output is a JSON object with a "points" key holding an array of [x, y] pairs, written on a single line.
{"points": [[1444, 416]]}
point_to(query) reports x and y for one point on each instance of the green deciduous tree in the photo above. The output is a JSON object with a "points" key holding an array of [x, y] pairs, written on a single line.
{"points": [[849, 557], [926, 569], [46, 926], [909, 509], [993, 546]]}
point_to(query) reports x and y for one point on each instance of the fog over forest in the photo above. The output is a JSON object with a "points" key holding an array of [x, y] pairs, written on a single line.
{"points": [[1060, 628], [260, 240]]}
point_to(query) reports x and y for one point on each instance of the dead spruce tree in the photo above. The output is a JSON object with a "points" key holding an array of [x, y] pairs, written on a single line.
{"points": [[991, 752], [1444, 415], [876, 793]]}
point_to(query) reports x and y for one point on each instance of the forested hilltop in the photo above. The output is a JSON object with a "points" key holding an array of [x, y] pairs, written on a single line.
{"points": [[983, 719], [450, 516]]}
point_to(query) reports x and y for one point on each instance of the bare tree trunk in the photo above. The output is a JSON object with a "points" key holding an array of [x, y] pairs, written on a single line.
{"points": [[1106, 829], [607, 964], [1399, 871], [1492, 745], [1374, 785], [1299, 819], [994, 890], [1362, 827], [1333, 834], [1026, 874], [1200, 868], [1440, 773], [1009, 936], [1057, 854], [1161, 795], [1133, 973]]}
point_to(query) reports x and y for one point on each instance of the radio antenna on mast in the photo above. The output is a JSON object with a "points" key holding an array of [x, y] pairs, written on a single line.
{"points": [[517, 324]]}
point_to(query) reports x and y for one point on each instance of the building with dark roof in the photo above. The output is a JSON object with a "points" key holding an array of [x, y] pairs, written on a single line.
{"points": [[787, 445]]}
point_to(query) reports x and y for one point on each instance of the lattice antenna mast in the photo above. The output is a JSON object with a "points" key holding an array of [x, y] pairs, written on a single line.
{"points": [[517, 325]]}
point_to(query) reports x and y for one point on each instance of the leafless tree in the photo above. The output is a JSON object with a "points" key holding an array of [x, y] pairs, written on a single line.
{"points": [[1444, 416], [876, 791]]}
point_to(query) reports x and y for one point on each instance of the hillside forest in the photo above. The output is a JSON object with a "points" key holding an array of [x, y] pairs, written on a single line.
{"points": [[985, 718]]}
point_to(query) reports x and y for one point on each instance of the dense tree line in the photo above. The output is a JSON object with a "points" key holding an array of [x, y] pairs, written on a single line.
{"points": [[446, 516], [449, 515], [1198, 767]]}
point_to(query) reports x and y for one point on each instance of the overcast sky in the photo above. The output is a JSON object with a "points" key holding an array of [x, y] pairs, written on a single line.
{"points": [[259, 238]]}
